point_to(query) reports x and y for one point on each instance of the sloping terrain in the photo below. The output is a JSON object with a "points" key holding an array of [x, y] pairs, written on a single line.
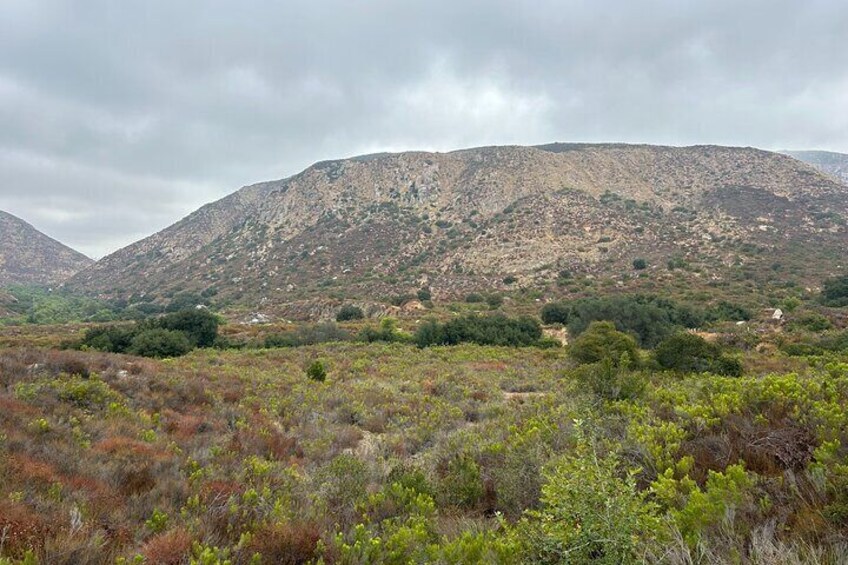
{"points": [[27, 256], [834, 164], [375, 225]]}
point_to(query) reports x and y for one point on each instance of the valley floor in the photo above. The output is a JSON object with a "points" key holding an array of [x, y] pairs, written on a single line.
{"points": [[463, 454]]}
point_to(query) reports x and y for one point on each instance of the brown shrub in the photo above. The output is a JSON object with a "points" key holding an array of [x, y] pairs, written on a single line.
{"points": [[21, 528], [168, 548], [66, 362], [292, 543]]}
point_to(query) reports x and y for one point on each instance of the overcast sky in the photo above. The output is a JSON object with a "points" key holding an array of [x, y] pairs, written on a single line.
{"points": [[118, 118]]}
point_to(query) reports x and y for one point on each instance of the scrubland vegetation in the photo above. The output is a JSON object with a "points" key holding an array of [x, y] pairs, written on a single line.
{"points": [[471, 438]]}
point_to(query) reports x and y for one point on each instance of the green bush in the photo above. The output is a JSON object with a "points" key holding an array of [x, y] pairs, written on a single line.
{"points": [[317, 371], [689, 353], [813, 322], [424, 294], [475, 298], [111, 339], [610, 381], [650, 318], [460, 484], [350, 312], [640, 264], [159, 342], [592, 512], [600, 342], [199, 325], [835, 292], [555, 313], [494, 301], [387, 332], [186, 301], [494, 329]]}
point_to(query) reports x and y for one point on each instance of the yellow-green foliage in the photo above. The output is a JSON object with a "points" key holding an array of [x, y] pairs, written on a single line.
{"points": [[462, 454]]}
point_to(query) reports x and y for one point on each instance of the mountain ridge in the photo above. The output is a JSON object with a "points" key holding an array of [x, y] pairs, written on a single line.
{"points": [[28, 256], [392, 221]]}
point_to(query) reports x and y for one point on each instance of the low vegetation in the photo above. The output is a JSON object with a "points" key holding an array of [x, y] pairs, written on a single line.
{"points": [[466, 437], [386, 452], [170, 335]]}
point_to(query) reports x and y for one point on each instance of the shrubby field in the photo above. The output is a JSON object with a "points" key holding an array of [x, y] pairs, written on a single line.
{"points": [[463, 454], [467, 437]]}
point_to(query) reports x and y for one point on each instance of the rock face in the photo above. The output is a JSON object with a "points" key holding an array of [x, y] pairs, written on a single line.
{"points": [[834, 164], [485, 218], [27, 256]]}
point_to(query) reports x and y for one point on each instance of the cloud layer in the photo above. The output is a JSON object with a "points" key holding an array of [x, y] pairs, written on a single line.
{"points": [[118, 118]]}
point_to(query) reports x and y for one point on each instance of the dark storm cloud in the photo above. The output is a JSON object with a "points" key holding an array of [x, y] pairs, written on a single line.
{"points": [[117, 118]]}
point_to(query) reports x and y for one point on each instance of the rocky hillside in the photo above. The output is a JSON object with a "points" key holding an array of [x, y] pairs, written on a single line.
{"points": [[491, 218], [27, 256], [834, 164]]}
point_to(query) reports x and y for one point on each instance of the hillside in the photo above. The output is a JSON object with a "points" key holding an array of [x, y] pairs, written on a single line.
{"points": [[834, 164], [27, 256], [371, 226]]}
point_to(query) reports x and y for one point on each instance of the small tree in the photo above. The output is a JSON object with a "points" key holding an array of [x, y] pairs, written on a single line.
{"points": [[317, 371], [639, 264], [602, 341], [350, 312], [424, 294], [159, 342]]}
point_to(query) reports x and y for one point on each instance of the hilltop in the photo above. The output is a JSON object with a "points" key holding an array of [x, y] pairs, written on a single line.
{"points": [[28, 256], [494, 218]]}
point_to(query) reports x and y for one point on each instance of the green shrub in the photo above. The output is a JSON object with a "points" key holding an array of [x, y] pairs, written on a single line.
{"points": [[689, 353], [640, 264], [159, 342], [460, 483], [475, 298], [510, 279], [424, 294], [350, 312], [112, 339], [726, 311], [592, 512], [600, 342], [813, 322], [199, 325], [555, 313], [494, 329], [387, 332], [494, 301], [186, 301], [610, 381], [835, 292], [317, 371], [650, 318]]}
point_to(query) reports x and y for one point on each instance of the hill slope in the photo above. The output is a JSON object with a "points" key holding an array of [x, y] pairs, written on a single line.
{"points": [[373, 225], [27, 256], [834, 164]]}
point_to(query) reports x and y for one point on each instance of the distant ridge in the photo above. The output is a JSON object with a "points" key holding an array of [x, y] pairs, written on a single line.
{"points": [[373, 226], [27, 256], [834, 164]]}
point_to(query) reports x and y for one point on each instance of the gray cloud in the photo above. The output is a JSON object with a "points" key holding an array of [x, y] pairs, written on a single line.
{"points": [[118, 118]]}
